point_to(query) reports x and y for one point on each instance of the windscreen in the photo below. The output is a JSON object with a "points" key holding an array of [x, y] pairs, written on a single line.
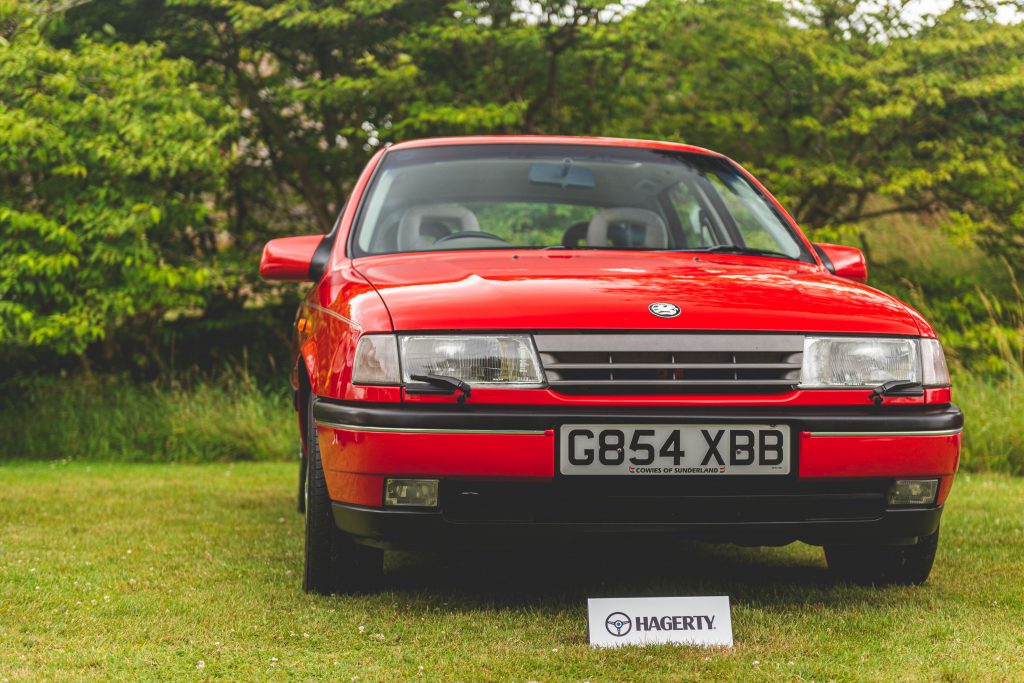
{"points": [[518, 196]]}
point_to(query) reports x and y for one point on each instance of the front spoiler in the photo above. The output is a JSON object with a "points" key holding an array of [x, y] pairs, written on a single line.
{"points": [[844, 461], [408, 529]]}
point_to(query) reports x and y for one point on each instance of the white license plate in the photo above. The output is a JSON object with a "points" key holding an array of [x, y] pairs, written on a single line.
{"points": [[667, 449]]}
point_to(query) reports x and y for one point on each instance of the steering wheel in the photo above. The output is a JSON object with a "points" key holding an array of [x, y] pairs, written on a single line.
{"points": [[476, 234], [576, 233], [435, 229]]}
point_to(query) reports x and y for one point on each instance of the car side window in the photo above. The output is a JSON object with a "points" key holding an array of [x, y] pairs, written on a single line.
{"points": [[757, 224], [696, 222]]}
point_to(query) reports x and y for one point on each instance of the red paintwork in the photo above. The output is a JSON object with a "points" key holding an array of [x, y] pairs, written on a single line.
{"points": [[945, 485], [570, 290], [352, 456], [342, 306], [551, 140], [882, 456], [468, 455], [878, 456], [855, 398], [848, 261], [354, 488], [288, 258], [537, 290]]}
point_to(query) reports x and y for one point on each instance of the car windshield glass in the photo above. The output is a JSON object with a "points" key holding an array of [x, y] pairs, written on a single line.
{"points": [[566, 197]]}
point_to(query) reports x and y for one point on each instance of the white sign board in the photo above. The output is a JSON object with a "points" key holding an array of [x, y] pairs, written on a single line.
{"points": [[614, 622]]}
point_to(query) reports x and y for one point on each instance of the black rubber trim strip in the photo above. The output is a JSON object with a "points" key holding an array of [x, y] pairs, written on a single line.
{"points": [[322, 254], [411, 529], [825, 260], [468, 416]]}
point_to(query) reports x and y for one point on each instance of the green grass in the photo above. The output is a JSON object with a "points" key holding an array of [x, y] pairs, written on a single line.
{"points": [[191, 572], [228, 419]]}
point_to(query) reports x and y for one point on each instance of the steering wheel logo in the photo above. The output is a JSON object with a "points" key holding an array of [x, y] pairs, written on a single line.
{"points": [[618, 624]]}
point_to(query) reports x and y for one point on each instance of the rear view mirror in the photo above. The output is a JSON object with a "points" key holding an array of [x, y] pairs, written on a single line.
{"points": [[844, 261], [290, 259], [563, 175]]}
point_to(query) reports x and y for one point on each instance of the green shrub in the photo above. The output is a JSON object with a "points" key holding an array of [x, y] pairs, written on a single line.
{"points": [[230, 418]]}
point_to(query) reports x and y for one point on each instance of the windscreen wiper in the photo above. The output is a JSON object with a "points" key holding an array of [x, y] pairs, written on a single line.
{"points": [[448, 385], [736, 249], [896, 387]]}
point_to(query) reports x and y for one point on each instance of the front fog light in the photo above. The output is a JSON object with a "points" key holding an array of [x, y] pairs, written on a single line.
{"points": [[421, 493], [913, 492]]}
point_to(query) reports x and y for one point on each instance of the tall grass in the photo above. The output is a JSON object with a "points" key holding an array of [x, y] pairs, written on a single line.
{"points": [[230, 418], [992, 395], [976, 304], [235, 419], [994, 420]]}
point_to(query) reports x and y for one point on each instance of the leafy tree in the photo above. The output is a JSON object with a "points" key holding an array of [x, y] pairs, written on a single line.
{"points": [[322, 85], [109, 155], [847, 111]]}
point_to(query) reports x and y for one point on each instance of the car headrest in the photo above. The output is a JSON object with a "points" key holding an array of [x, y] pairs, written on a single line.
{"points": [[409, 236], [655, 232]]}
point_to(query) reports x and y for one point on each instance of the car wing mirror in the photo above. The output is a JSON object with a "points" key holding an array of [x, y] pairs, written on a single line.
{"points": [[293, 259], [844, 261]]}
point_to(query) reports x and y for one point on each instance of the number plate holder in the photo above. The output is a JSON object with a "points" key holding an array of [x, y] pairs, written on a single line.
{"points": [[658, 450]]}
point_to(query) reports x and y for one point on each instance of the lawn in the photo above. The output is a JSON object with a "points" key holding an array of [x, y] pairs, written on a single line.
{"points": [[157, 572]]}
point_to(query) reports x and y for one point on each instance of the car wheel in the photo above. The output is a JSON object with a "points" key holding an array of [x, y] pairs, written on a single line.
{"points": [[899, 564], [334, 562]]}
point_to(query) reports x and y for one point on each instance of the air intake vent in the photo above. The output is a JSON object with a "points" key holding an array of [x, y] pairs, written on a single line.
{"points": [[670, 363]]}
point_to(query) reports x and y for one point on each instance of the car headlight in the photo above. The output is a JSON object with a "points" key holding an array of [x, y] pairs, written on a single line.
{"points": [[489, 360], [869, 362], [498, 360]]}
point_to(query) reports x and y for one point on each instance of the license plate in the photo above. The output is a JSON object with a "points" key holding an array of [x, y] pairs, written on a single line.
{"points": [[666, 449]]}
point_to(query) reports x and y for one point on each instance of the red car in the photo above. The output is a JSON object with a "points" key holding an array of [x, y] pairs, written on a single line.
{"points": [[526, 337]]}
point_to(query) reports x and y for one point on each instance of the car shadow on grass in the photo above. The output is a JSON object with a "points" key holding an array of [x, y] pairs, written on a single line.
{"points": [[548, 576]]}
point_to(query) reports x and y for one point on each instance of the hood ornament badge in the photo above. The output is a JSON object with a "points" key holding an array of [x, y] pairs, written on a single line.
{"points": [[664, 310]]}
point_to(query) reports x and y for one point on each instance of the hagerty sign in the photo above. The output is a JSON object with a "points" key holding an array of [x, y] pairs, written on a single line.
{"points": [[614, 622]]}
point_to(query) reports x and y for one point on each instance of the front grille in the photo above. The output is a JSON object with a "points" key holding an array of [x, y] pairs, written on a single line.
{"points": [[670, 363]]}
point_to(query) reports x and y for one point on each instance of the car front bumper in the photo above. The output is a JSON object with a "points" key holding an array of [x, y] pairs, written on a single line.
{"points": [[499, 480]]}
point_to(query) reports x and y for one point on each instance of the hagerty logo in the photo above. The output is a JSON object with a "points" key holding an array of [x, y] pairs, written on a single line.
{"points": [[619, 623]]}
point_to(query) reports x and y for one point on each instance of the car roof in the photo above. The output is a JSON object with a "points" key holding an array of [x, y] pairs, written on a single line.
{"points": [[550, 140]]}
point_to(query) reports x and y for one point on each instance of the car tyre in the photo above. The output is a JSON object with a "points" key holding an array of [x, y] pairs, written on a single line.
{"points": [[335, 563], [904, 565], [301, 504]]}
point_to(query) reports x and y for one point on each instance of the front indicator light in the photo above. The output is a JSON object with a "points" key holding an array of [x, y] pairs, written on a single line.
{"points": [[913, 492], [421, 493], [376, 360], [936, 372]]}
